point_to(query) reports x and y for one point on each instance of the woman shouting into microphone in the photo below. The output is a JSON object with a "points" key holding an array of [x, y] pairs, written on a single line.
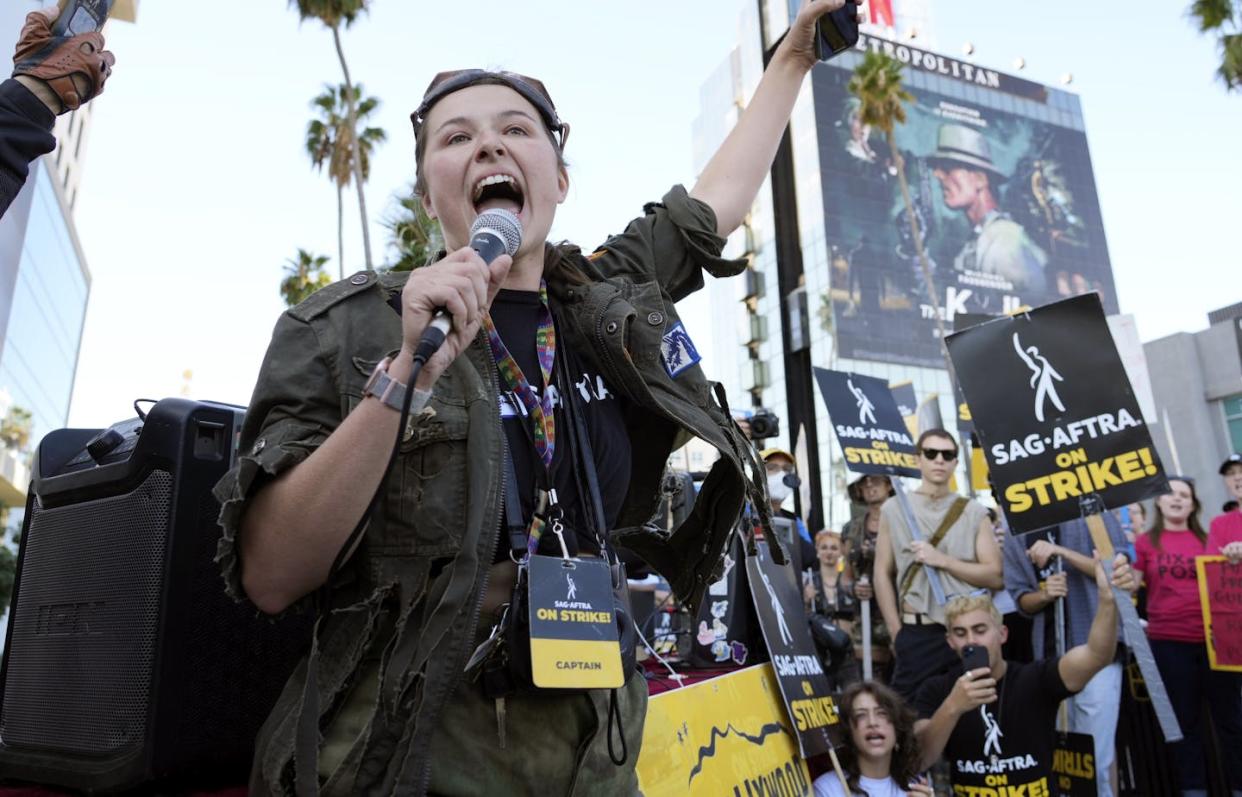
{"points": [[537, 432]]}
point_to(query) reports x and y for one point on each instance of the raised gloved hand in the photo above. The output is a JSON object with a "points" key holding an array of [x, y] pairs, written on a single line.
{"points": [[62, 71]]}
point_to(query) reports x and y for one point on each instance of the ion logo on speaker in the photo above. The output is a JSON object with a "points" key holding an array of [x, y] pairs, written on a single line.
{"points": [[69, 619]]}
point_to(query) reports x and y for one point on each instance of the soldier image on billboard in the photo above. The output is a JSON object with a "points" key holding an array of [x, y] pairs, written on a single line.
{"points": [[1005, 201], [969, 183]]}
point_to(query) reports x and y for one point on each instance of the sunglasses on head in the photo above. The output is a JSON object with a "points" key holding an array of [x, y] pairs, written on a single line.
{"points": [[532, 90], [947, 454]]}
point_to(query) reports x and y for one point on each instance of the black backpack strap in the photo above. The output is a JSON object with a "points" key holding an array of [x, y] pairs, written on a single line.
{"points": [[583, 454]]}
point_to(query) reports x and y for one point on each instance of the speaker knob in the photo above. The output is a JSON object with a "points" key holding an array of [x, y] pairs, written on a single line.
{"points": [[104, 443]]}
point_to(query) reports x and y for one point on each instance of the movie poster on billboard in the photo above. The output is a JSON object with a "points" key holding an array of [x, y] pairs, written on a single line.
{"points": [[874, 437], [1055, 414], [1004, 195]]}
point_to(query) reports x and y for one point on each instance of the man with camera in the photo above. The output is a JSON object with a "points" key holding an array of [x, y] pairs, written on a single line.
{"points": [[995, 722], [955, 538]]}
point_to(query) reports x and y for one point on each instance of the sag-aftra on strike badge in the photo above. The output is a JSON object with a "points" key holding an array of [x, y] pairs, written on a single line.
{"points": [[573, 631]]}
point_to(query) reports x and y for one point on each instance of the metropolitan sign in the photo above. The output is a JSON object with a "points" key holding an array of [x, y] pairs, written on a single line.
{"points": [[1055, 413]]}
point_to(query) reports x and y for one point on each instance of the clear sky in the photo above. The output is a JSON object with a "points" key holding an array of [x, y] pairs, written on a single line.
{"points": [[196, 186]]}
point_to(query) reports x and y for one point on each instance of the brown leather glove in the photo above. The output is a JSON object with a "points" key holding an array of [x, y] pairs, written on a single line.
{"points": [[58, 60]]}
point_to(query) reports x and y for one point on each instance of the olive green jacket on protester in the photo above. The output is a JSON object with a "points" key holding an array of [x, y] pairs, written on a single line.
{"points": [[442, 509]]}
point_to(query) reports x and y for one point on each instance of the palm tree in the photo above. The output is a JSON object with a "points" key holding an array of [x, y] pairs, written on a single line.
{"points": [[882, 105], [304, 275], [334, 13], [15, 429], [1213, 16], [414, 237], [330, 141]]}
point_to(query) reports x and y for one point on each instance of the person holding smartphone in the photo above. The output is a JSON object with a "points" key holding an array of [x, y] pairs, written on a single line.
{"points": [[51, 75], [383, 703], [880, 756], [995, 722]]}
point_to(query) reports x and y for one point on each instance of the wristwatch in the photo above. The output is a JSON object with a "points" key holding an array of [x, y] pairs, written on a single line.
{"points": [[388, 390]]}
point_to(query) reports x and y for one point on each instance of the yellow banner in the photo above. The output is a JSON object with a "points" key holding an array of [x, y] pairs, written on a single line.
{"points": [[727, 736], [1220, 597]]}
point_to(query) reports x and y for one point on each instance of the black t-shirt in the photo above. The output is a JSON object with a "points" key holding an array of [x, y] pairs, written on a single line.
{"points": [[1021, 753], [516, 315]]}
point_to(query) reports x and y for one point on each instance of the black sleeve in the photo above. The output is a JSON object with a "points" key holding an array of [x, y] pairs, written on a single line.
{"points": [[930, 695], [26, 124], [1050, 682]]}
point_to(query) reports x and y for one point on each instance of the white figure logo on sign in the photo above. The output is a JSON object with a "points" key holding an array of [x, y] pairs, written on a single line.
{"points": [[777, 609], [866, 410], [1043, 378]]}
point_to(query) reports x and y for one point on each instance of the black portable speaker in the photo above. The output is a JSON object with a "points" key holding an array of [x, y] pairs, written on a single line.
{"points": [[125, 663]]}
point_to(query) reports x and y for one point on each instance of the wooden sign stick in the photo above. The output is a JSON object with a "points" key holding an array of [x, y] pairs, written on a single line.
{"points": [[836, 765]]}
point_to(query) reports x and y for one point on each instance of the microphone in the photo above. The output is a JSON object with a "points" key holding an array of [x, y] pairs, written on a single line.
{"points": [[494, 233]]}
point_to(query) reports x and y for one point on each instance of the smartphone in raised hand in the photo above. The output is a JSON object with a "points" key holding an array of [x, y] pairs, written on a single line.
{"points": [[81, 16], [974, 657], [836, 31]]}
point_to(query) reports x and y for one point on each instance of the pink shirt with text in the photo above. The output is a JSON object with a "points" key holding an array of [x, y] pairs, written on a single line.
{"points": [[1173, 610]]}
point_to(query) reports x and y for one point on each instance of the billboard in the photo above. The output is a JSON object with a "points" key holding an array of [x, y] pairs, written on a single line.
{"points": [[1006, 203]]}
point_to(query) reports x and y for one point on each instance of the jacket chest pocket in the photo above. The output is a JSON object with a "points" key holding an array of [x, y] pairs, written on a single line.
{"points": [[424, 505], [426, 497]]}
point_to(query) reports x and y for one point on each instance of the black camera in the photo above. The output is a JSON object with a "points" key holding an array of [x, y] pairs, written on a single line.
{"points": [[764, 424]]}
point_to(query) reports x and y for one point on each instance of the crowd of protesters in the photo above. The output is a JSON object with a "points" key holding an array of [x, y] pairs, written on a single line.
{"points": [[939, 637], [994, 722]]}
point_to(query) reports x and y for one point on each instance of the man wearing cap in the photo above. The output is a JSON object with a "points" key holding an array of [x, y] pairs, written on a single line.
{"points": [[782, 481], [969, 181], [1226, 530]]}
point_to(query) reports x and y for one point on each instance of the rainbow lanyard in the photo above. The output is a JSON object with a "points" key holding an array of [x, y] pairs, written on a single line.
{"points": [[539, 408]]}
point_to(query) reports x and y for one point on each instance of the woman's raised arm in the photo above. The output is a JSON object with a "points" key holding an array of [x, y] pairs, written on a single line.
{"points": [[732, 177]]}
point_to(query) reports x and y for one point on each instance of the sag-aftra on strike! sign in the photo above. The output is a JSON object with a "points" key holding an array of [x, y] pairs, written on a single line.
{"points": [[872, 433], [1055, 413]]}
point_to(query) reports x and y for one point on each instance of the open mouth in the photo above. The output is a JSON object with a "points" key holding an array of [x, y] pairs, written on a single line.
{"points": [[498, 191], [875, 738]]}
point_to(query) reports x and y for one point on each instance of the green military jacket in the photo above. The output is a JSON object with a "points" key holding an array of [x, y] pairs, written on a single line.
{"points": [[411, 592]]}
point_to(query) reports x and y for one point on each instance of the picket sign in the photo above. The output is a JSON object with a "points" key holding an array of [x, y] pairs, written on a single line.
{"points": [[1220, 596]]}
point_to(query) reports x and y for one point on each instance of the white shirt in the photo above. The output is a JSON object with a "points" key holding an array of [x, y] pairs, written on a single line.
{"points": [[827, 785]]}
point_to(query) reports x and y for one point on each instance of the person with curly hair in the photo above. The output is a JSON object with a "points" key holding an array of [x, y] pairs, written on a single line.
{"points": [[880, 756]]}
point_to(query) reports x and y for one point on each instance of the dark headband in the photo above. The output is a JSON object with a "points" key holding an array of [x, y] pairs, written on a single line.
{"points": [[532, 90]]}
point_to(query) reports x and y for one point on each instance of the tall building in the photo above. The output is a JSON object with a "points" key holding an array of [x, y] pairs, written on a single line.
{"points": [[1001, 183], [1197, 381], [44, 283]]}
